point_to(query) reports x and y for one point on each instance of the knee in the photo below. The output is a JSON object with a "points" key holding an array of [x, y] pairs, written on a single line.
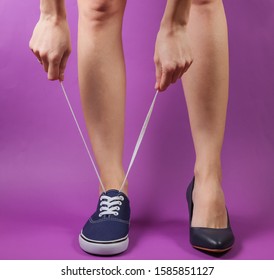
{"points": [[100, 10], [206, 7], [204, 2]]}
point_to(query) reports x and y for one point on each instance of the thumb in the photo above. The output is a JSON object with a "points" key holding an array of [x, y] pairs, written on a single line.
{"points": [[158, 74], [63, 66]]}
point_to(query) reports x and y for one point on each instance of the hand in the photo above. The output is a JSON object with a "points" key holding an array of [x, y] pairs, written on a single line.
{"points": [[172, 57], [50, 43]]}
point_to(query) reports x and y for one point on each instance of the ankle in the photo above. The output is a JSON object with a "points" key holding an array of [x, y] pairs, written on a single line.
{"points": [[113, 178], [114, 187], [208, 185], [208, 172]]}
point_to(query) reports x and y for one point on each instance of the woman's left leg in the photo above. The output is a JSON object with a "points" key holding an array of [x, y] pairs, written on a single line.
{"points": [[206, 90]]}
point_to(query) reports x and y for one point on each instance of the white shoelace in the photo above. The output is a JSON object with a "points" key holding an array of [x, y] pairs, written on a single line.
{"points": [[110, 205], [137, 146]]}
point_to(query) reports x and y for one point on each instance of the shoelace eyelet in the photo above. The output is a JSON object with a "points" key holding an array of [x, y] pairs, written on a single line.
{"points": [[109, 205]]}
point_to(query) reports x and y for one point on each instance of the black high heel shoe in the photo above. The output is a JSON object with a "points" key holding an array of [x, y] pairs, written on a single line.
{"points": [[216, 240]]}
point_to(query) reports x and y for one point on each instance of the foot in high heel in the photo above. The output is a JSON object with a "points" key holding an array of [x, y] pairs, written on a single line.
{"points": [[216, 240]]}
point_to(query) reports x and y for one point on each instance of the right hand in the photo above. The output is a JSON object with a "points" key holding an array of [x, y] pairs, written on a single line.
{"points": [[172, 57], [50, 43]]}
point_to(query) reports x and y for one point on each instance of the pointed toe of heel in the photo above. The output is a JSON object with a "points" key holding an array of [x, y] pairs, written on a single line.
{"points": [[211, 239]]}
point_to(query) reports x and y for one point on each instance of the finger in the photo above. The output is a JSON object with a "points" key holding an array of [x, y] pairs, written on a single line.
{"points": [[165, 80], [187, 66], [176, 75], [53, 69], [63, 66], [44, 61], [181, 74], [45, 65], [37, 54], [158, 74]]}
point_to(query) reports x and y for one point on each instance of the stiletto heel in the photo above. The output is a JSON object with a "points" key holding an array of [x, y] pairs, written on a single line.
{"points": [[216, 240]]}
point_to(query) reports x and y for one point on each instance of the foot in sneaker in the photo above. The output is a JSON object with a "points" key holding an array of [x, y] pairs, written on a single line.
{"points": [[106, 231]]}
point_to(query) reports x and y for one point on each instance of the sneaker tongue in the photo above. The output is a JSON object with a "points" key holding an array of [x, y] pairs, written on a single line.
{"points": [[112, 193]]}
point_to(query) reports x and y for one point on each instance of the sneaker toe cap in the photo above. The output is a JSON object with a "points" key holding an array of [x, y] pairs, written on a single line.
{"points": [[105, 231]]}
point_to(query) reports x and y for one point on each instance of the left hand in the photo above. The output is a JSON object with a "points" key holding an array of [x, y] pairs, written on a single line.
{"points": [[172, 56], [50, 43]]}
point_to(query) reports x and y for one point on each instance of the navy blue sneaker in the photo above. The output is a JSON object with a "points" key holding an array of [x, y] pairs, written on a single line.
{"points": [[106, 231]]}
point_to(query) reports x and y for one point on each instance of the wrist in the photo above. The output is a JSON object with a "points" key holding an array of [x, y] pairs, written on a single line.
{"points": [[176, 14], [170, 27], [54, 18], [168, 22], [52, 10]]}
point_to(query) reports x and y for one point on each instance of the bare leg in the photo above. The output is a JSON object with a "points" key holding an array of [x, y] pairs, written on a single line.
{"points": [[206, 90], [102, 84]]}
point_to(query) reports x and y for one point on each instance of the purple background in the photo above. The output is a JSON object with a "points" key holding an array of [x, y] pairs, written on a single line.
{"points": [[48, 187]]}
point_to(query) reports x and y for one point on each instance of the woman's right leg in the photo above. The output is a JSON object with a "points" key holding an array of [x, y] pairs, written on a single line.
{"points": [[102, 85], [102, 82]]}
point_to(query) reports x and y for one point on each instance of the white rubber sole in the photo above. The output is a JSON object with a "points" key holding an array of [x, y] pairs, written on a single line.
{"points": [[100, 248]]}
